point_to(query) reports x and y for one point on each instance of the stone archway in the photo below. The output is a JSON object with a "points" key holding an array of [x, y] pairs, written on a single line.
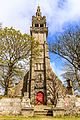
{"points": [[40, 98]]}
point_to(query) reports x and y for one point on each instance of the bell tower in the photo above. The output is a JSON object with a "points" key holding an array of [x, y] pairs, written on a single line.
{"points": [[40, 83], [38, 68]]}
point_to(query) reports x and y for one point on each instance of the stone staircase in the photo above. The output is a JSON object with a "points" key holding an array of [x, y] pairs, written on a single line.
{"points": [[43, 110]]}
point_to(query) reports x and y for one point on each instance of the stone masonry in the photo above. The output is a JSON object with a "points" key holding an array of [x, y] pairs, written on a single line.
{"points": [[69, 105]]}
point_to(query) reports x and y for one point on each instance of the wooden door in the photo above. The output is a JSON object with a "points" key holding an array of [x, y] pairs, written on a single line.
{"points": [[40, 98]]}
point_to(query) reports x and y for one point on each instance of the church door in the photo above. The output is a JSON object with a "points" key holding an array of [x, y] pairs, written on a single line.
{"points": [[40, 98]]}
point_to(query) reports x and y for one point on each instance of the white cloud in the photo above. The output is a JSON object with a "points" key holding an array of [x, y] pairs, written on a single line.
{"points": [[18, 13]]}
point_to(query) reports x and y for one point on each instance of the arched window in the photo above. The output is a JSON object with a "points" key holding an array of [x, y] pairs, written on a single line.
{"points": [[39, 66], [40, 77], [41, 25], [36, 66], [36, 25]]}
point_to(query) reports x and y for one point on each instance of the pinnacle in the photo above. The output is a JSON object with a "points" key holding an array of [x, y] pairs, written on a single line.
{"points": [[38, 13]]}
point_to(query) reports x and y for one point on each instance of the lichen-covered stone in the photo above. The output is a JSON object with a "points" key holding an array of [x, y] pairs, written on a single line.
{"points": [[10, 106]]}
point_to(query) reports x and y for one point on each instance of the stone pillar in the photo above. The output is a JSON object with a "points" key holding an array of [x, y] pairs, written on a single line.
{"points": [[69, 87], [26, 108]]}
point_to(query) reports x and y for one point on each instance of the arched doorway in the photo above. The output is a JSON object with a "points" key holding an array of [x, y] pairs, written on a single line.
{"points": [[40, 98]]}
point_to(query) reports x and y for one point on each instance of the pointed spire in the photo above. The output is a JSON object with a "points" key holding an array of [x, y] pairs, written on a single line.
{"points": [[38, 13]]}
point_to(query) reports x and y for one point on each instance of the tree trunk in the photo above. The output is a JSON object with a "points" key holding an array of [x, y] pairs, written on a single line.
{"points": [[6, 90], [8, 79], [77, 76]]}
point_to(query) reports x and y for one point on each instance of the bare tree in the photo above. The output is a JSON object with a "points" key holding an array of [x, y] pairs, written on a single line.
{"points": [[55, 87], [71, 73], [67, 46]]}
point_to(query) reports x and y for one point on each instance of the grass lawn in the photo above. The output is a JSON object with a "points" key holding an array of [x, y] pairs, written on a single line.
{"points": [[38, 118]]}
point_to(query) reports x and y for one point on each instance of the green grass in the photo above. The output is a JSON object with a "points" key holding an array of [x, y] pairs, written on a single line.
{"points": [[38, 118]]}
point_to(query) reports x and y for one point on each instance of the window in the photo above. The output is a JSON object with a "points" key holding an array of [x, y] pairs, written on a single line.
{"points": [[36, 66], [39, 66], [41, 25], [40, 77], [36, 25]]}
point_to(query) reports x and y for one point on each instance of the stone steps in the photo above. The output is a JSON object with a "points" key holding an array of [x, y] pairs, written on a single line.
{"points": [[43, 110]]}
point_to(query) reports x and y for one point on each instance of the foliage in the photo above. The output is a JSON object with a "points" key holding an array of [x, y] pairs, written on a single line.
{"points": [[15, 52]]}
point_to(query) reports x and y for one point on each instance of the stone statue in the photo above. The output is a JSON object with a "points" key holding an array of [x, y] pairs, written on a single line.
{"points": [[25, 101]]}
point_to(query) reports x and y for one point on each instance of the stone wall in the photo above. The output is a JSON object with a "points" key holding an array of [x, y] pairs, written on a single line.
{"points": [[69, 105], [10, 106], [16, 106]]}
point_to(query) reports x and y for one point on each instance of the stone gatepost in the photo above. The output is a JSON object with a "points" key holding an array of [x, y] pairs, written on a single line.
{"points": [[26, 108]]}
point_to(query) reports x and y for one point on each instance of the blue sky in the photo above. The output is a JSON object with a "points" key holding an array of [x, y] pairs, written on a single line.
{"points": [[18, 13]]}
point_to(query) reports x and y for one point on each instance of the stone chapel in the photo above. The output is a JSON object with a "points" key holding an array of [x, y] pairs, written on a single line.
{"points": [[40, 82]]}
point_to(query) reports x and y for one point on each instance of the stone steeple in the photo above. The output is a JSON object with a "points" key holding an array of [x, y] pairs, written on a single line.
{"points": [[39, 23], [38, 13], [39, 67]]}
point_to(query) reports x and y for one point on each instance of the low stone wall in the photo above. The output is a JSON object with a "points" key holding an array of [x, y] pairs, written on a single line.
{"points": [[73, 105], [70, 105], [10, 106], [16, 106], [58, 112], [27, 111]]}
